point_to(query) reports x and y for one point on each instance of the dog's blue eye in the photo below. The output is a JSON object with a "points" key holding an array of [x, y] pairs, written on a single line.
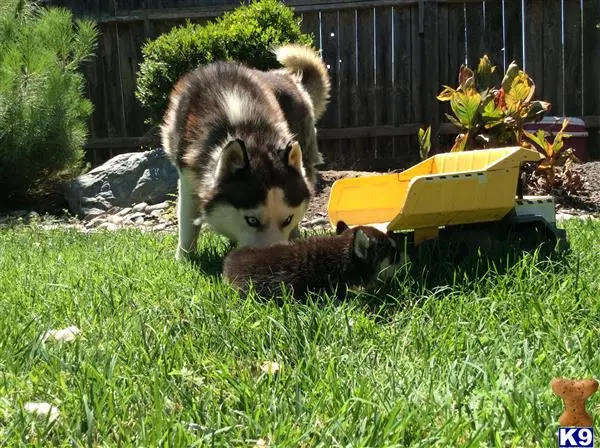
{"points": [[252, 221], [287, 220]]}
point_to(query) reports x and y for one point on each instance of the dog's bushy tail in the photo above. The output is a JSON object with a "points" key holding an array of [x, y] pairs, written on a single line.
{"points": [[307, 64]]}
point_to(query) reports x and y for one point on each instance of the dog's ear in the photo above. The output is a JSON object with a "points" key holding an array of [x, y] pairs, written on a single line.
{"points": [[341, 227], [292, 156], [233, 158], [362, 242]]}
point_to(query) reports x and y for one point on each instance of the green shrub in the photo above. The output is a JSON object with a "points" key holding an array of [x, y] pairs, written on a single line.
{"points": [[246, 34], [43, 111], [8, 7]]}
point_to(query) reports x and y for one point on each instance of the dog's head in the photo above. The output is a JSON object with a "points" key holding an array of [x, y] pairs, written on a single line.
{"points": [[258, 196], [377, 252]]}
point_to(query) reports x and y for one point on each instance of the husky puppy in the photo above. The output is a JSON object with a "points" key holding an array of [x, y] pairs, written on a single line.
{"points": [[244, 145], [352, 257]]}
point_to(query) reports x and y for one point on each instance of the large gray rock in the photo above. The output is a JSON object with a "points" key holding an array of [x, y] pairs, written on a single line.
{"points": [[122, 181]]}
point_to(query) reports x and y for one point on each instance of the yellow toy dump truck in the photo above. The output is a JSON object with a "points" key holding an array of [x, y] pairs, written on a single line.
{"points": [[465, 191]]}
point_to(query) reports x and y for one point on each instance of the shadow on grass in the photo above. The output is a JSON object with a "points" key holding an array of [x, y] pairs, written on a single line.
{"points": [[463, 259], [209, 260]]}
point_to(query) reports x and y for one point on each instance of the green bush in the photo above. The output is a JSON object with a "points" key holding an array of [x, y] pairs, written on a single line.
{"points": [[246, 34], [43, 111]]}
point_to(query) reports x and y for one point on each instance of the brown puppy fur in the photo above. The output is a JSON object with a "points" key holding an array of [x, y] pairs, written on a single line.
{"points": [[353, 257]]}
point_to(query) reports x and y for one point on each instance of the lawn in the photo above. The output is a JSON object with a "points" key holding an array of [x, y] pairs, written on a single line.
{"points": [[169, 356]]}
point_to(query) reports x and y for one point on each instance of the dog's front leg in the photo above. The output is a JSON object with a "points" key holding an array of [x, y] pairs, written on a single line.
{"points": [[186, 214]]}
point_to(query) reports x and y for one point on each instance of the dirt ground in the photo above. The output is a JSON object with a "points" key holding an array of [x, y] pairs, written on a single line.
{"points": [[590, 198], [587, 202]]}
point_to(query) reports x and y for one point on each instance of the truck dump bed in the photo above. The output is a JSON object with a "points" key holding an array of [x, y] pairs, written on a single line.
{"points": [[445, 189]]}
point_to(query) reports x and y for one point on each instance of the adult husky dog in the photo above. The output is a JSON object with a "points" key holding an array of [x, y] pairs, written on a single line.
{"points": [[244, 145]]}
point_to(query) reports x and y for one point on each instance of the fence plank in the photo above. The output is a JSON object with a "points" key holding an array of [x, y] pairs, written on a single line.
{"points": [[365, 147], [384, 112], [416, 59], [329, 30], [573, 75], [130, 40], [456, 39], [448, 55], [431, 70], [534, 32], [124, 6], [416, 75], [88, 8], [591, 58], [164, 26], [402, 64], [552, 58], [475, 33], [347, 76], [193, 3], [95, 93], [402, 76], [310, 24], [443, 49], [347, 68], [107, 52], [492, 34], [513, 46], [383, 62]]}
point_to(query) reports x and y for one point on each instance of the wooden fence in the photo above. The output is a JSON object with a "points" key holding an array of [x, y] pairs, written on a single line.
{"points": [[387, 59]]}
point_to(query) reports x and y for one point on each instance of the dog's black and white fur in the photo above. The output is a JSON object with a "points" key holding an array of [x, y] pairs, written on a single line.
{"points": [[353, 257], [244, 144]]}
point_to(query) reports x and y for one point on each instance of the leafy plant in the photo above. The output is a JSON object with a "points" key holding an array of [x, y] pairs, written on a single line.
{"points": [[246, 34], [43, 110], [489, 115], [556, 169], [554, 151], [424, 142]]}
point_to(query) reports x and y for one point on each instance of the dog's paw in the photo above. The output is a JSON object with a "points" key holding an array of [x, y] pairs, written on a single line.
{"points": [[183, 255]]}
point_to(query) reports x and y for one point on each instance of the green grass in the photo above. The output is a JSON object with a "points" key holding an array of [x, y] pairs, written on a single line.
{"points": [[169, 356]]}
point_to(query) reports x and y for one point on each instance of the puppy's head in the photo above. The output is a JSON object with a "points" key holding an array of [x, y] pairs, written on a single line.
{"points": [[258, 195], [376, 251]]}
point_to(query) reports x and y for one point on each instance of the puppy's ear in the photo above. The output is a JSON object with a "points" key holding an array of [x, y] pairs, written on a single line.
{"points": [[361, 244], [233, 158], [341, 227], [292, 156]]}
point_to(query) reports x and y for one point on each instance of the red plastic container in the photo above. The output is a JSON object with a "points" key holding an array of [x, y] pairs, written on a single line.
{"points": [[576, 129]]}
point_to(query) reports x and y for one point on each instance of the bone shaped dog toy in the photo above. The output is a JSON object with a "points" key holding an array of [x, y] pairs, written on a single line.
{"points": [[574, 393]]}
